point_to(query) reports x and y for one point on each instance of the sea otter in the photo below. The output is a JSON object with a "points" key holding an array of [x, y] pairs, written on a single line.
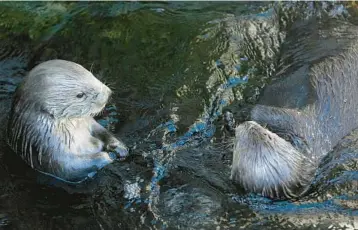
{"points": [[303, 114], [51, 124]]}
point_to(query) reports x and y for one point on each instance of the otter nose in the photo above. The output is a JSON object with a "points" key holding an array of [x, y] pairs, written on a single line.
{"points": [[101, 98]]}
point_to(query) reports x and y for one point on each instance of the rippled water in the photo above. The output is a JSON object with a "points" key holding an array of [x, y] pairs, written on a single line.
{"points": [[173, 67]]}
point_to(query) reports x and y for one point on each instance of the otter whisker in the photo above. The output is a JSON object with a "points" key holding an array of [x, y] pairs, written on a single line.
{"points": [[91, 68], [110, 85]]}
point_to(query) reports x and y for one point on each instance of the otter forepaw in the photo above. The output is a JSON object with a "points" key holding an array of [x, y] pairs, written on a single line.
{"points": [[229, 121], [112, 144], [117, 148]]}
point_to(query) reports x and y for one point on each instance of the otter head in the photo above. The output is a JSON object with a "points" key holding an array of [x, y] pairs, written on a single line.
{"points": [[267, 164], [63, 89]]}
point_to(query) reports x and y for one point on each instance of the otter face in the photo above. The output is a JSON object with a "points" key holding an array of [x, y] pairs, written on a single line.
{"points": [[265, 163], [65, 89]]}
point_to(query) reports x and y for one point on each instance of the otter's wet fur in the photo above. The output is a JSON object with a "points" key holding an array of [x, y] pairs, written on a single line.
{"points": [[303, 114], [51, 124]]}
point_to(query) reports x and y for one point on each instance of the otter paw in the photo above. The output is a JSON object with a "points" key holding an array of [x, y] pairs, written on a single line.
{"points": [[117, 149], [112, 144], [229, 122]]}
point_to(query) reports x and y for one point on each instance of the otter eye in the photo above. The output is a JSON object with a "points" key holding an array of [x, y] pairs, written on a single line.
{"points": [[80, 95]]}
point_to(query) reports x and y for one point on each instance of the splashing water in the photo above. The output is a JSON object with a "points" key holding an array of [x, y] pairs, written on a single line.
{"points": [[200, 131], [203, 129]]}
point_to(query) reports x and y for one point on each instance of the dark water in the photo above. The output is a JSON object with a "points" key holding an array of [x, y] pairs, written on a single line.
{"points": [[173, 67]]}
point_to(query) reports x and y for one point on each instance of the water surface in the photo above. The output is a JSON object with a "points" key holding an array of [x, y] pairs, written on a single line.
{"points": [[174, 67]]}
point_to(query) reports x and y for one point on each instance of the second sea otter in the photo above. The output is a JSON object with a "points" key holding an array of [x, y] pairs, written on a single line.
{"points": [[311, 106]]}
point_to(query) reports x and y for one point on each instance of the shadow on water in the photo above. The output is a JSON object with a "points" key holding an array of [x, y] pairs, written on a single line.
{"points": [[173, 67]]}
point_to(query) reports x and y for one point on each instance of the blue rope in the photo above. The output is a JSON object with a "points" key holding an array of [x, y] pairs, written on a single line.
{"points": [[266, 205]]}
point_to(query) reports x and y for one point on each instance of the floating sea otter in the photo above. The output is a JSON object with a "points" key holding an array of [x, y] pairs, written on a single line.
{"points": [[51, 122], [311, 106]]}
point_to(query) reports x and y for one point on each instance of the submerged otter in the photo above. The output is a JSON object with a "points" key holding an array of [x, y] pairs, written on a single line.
{"points": [[51, 124], [311, 106]]}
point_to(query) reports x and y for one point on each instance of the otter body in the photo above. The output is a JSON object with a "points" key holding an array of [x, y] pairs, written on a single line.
{"points": [[300, 117], [51, 124]]}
